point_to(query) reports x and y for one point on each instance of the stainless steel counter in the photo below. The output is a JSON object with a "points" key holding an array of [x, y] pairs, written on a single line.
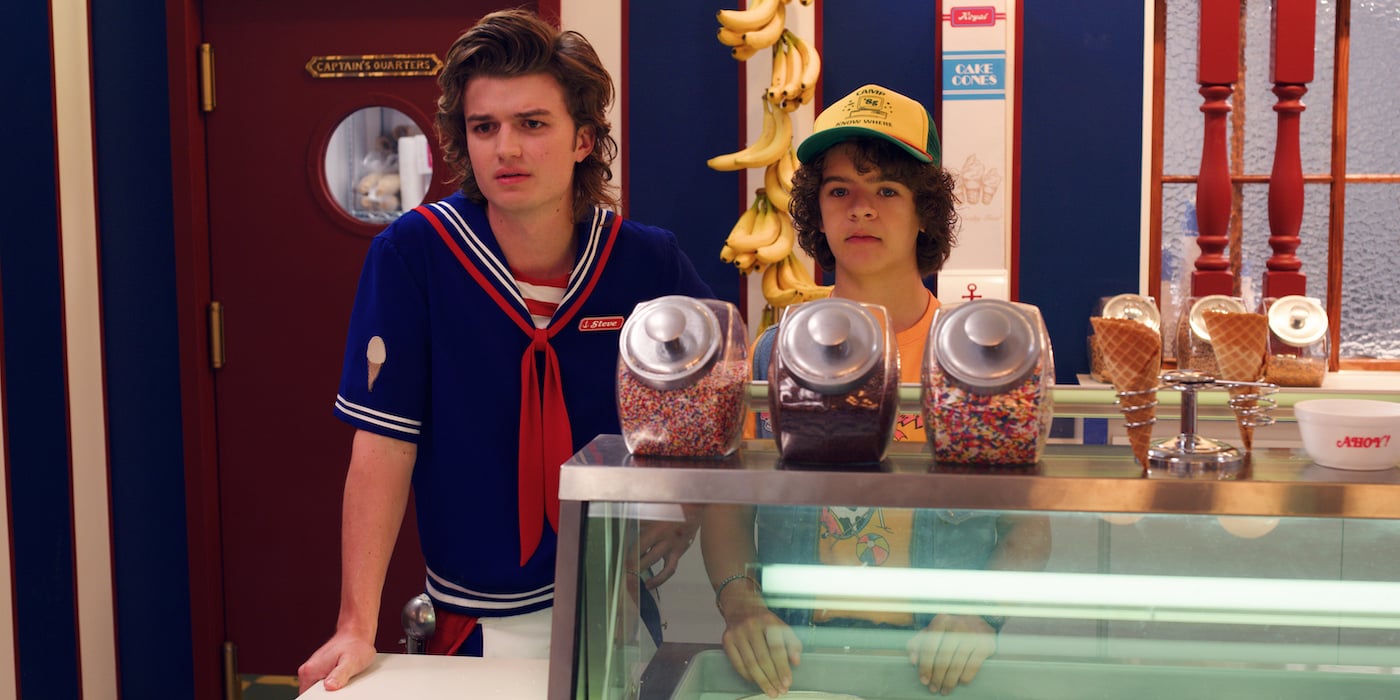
{"points": [[1089, 478], [1070, 478]]}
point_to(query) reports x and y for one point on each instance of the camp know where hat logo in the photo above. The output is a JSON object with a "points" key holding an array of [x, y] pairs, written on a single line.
{"points": [[869, 107]]}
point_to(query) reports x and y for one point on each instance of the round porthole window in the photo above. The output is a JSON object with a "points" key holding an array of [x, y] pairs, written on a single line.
{"points": [[378, 164]]}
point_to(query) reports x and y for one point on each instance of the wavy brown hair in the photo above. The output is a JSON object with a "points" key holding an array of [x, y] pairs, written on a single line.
{"points": [[513, 43], [931, 185]]}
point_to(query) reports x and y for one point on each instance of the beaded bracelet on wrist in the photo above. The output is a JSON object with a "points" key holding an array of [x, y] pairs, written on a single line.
{"points": [[736, 577]]}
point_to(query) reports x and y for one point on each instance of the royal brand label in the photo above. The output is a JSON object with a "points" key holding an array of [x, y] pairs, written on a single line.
{"points": [[975, 16], [374, 65], [600, 323]]}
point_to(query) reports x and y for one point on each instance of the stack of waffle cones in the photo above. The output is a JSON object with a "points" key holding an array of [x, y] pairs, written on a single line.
{"points": [[1132, 359], [1241, 343]]}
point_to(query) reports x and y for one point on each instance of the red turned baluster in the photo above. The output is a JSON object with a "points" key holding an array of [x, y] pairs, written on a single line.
{"points": [[1291, 69], [1217, 67]]}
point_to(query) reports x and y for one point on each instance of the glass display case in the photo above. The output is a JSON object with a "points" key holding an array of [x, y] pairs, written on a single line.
{"points": [[1276, 581]]}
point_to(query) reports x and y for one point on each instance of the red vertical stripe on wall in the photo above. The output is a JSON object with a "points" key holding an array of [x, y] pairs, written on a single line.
{"points": [[818, 99], [549, 9], [742, 86], [9, 573]]}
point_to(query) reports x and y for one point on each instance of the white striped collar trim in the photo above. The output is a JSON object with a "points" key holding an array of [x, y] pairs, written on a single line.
{"points": [[501, 272]]}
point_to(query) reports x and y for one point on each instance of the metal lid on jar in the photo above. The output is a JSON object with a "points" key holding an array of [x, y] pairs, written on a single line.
{"points": [[988, 344], [1298, 320], [830, 345], [1212, 302], [670, 341], [1134, 307]]}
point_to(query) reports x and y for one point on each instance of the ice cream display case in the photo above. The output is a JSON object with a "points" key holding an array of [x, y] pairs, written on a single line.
{"points": [[1089, 579]]}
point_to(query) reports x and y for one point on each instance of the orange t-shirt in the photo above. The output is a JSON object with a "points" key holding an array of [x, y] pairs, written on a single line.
{"points": [[909, 427]]}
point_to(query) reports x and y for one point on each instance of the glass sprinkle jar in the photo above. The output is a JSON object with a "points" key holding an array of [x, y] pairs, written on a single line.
{"points": [[681, 370], [987, 378], [833, 385]]}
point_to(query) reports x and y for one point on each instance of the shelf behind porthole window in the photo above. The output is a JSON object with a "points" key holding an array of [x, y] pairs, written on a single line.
{"points": [[378, 164]]}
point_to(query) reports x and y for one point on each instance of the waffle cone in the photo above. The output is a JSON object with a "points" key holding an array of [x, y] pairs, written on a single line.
{"points": [[1132, 359], [1241, 344]]}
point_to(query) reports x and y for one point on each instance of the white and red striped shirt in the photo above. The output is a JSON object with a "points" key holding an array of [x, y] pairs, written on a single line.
{"points": [[542, 296]]}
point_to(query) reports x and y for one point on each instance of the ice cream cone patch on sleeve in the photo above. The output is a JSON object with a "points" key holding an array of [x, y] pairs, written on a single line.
{"points": [[1241, 344], [374, 359], [1132, 360]]}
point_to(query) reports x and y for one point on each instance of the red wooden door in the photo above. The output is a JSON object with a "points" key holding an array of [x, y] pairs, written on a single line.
{"points": [[285, 262]]}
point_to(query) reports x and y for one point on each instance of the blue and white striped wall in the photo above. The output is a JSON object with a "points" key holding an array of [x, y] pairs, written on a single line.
{"points": [[96, 596], [94, 574]]}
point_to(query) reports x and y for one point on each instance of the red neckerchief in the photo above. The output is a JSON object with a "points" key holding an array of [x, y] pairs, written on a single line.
{"points": [[546, 438]]}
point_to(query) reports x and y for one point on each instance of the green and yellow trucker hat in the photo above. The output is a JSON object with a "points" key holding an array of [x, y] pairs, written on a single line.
{"points": [[878, 112]]}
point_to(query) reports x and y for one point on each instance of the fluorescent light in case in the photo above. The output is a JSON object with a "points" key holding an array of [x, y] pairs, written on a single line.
{"points": [[1217, 600]]}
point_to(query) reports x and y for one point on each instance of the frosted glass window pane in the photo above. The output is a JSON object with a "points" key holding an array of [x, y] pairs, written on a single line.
{"points": [[1370, 295], [1261, 121], [1373, 135], [1254, 240], [1182, 118], [1181, 98]]}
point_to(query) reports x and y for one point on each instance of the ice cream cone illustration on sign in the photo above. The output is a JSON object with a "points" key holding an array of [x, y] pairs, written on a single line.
{"points": [[990, 182], [976, 182], [1241, 343], [1132, 360], [374, 354]]}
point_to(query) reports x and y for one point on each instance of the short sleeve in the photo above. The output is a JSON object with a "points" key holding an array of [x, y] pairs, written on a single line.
{"points": [[384, 376]]}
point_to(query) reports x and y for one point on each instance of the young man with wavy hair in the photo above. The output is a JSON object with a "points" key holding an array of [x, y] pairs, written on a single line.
{"points": [[483, 345]]}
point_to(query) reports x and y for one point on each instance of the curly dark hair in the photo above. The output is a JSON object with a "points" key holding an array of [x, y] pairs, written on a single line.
{"points": [[512, 43], [931, 185]]}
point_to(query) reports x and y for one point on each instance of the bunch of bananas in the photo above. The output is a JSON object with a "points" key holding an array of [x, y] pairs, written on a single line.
{"points": [[789, 281], [772, 142], [796, 67], [763, 237], [750, 30]]}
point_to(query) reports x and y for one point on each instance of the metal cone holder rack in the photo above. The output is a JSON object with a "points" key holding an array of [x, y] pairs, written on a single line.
{"points": [[1188, 452]]}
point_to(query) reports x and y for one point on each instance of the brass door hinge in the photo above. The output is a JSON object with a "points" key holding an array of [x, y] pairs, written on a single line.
{"points": [[206, 77], [216, 335]]}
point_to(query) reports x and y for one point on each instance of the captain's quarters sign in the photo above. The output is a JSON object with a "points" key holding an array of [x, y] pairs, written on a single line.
{"points": [[397, 65]]}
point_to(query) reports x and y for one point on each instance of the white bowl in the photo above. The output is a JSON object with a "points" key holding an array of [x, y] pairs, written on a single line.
{"points": [[1350, 433]]}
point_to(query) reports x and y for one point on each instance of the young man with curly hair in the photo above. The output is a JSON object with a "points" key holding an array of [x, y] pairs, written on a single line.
{"points": [[871, 204]]}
